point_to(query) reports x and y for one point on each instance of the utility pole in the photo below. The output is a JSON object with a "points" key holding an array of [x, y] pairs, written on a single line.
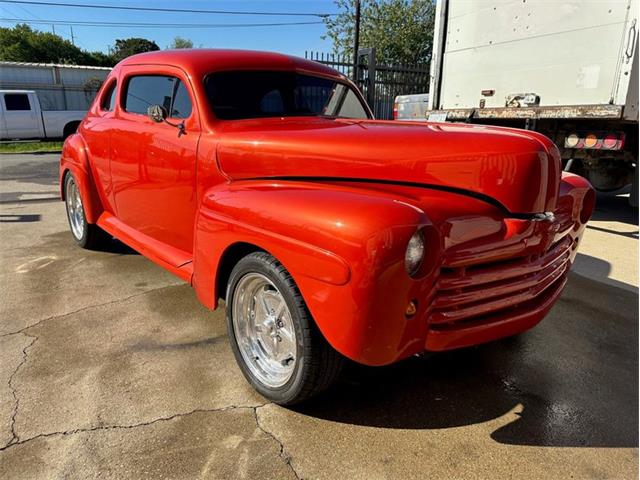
{"points": [[54, 28], [73, 40], [356, 41]]}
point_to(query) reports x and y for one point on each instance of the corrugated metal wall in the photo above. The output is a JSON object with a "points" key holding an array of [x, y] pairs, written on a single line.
{"points": [[59, 87]]}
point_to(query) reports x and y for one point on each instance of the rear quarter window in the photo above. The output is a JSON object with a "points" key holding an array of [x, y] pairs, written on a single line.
{"points": [[108, 102]]}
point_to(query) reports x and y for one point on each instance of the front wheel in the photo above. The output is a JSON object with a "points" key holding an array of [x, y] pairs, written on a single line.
{"points": [[275, 341]]}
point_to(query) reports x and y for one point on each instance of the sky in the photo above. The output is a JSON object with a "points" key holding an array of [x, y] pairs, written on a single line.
{"points": [[291, 39]]}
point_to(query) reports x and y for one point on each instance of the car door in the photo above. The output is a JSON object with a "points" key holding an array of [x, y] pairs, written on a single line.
{"points": [[153, 165], [96, 133], [21, 116]]}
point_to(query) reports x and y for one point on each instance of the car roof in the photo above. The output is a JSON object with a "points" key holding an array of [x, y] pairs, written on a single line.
{"points": [[200, 61]]}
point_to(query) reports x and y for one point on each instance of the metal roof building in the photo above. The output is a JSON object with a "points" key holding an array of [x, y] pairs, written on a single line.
{"points": [[59, 86]]}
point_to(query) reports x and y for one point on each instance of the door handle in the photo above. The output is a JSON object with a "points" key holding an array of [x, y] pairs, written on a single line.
{"points": [[631, 41]]}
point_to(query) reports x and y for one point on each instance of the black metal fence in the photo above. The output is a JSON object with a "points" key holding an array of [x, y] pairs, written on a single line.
{"points": [[379, 83]]}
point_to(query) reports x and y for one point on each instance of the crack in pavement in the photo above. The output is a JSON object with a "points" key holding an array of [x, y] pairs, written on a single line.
{"points": [[15, 441], [14, 435], [125, 427], [82, 309], [287, 458]]}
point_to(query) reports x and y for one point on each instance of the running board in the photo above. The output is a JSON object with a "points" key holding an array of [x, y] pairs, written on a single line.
{"points": [[176, 261]]}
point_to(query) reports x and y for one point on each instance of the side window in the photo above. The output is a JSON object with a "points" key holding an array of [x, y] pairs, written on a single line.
{"points": [[146, 90], [109, 99], [351, 106], [181, 107], [16, 101]]}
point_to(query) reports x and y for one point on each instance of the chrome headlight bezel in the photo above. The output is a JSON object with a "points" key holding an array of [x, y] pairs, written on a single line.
{"points": [[414, 253]]}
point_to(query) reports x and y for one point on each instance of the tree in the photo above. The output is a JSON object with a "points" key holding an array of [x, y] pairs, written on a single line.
{"points": [[180, 42], [400, 30], [23, 44], [130, 46], [99, 59]]}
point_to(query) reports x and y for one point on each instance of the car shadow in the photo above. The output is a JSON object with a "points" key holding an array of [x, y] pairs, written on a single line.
{"points": [[20, 218], [598, 269], [614, 207], [113, 245], [572, 380]]}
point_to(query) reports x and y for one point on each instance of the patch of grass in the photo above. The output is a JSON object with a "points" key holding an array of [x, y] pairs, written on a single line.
{"points": [[30, 147]]}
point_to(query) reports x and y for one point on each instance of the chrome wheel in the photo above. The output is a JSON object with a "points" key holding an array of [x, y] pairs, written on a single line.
{"points": [[75, 212], [264, 330]]}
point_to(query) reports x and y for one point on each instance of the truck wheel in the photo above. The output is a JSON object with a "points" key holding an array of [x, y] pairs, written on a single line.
{"points": [[70, 129], [85, 234], [275, 341]]}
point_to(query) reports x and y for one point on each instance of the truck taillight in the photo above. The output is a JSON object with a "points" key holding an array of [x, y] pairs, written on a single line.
{"points": [[395, 111], [595, 140], [610, 141]]}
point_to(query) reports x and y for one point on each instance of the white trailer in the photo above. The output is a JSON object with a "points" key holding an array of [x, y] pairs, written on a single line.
{"points": [[568, 69]]}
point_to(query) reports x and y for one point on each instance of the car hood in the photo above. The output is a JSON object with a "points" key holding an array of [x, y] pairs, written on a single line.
{"points": [[518, 169]]}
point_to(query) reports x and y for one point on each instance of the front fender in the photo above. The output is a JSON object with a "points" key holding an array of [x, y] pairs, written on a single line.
{"points": [[75, 159], [342, 245]]}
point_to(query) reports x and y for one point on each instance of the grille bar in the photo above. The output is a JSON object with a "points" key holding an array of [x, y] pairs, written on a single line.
{"points": [[455, 315], [461, 278], [467, 293]]}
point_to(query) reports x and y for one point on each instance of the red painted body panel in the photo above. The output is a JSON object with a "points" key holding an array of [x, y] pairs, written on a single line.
{"points": [[512, 167], [336, 201]]}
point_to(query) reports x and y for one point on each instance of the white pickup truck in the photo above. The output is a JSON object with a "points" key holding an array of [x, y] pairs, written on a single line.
{"points": [[21, 117]]}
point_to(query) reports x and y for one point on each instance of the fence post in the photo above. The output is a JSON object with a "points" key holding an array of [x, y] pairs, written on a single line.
{"points": [[371, 78]]}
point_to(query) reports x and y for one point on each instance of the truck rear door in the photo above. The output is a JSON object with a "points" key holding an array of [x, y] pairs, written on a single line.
{"points": [[22, 115], [565, 53]]}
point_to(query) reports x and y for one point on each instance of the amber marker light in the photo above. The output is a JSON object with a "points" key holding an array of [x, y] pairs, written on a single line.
{"points": [[411, 310], [590, 141]]}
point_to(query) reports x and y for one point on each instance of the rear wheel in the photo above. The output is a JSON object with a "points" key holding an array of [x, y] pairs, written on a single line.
{"points": [[275, 341], [85, 234]]}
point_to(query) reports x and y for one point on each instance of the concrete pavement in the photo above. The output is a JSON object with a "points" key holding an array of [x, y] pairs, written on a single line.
{"points": [[109, 368]]}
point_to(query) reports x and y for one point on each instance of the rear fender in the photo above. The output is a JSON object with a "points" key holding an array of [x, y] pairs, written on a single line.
{"points": [[75, 160], [337, 242]]}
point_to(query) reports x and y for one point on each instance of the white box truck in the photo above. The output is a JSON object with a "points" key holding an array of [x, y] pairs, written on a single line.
{"points": [[568, 69]]}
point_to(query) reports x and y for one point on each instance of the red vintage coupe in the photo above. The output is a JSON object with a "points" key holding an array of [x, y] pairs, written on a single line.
{"points": [[263, 180]]}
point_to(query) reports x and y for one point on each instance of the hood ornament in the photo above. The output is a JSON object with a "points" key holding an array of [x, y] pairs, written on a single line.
{"points": [[543, 217]]}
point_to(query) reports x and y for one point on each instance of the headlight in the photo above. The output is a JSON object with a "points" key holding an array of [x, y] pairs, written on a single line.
{"points": [[415, 253]]}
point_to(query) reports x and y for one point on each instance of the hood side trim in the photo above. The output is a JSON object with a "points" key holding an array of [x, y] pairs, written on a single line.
{"points": [[459, 191]]}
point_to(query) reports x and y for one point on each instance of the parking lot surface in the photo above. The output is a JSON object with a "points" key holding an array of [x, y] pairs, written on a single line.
{"points": [[110, 368]]}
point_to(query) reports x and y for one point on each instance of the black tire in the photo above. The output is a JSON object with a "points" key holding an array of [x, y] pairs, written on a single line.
{"points": [[318, 365], [92, 237]]}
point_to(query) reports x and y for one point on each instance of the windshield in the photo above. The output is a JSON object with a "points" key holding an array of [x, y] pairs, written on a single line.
{"points": [[258, 94]]}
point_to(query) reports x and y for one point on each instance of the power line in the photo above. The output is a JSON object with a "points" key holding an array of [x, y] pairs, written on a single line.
{"points": [[173, 10], [28, 12], [155, 25], [29, 20]]}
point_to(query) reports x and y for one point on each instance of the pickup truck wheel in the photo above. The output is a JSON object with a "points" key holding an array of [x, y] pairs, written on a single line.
{"points": [[275, 341], [85, 234]]}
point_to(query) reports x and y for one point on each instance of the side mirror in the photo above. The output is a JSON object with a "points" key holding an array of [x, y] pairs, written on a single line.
{"points": [[157, 113]]}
